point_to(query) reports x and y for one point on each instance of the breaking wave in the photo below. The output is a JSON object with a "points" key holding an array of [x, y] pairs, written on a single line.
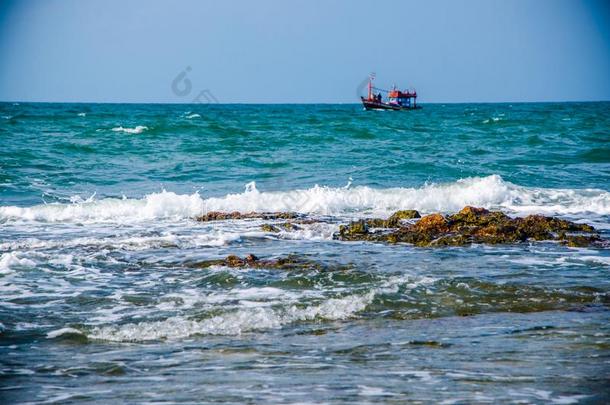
{"points": [[490, 192], [10, 259], [234, 323], [254, 318], [137, 130]]}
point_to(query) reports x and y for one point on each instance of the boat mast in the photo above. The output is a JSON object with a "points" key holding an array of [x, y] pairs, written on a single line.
{"points": [[370, 86]]}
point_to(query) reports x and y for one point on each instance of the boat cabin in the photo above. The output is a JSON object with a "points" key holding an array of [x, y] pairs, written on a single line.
{"points": [[405, 99]]}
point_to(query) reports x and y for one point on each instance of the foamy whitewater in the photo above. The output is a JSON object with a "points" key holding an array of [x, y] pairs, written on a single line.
{"points": [[102, 291], [137, 130], [490, 192]]}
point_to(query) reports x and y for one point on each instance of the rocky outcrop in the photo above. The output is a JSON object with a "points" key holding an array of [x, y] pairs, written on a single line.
{"points": [[470, 225]]}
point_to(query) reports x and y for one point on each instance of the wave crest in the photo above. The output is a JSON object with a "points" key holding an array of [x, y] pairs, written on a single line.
{"points": [[137, 130], [235, 323], [489, 192]]}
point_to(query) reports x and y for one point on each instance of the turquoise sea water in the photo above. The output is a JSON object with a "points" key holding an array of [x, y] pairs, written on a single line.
{"points": [[99, 301]]}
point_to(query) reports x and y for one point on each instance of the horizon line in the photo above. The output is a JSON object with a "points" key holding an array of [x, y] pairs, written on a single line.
{"points": [[296, 103]]}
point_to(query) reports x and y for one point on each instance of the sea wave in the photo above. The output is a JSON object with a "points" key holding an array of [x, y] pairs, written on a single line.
{"points": [[250, 318], [234, 323], [12, 259], [213, 238], [137, 130], [490, 192]]}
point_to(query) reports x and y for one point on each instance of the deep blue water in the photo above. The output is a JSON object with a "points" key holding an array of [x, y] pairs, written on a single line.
{"points": [[99, 302]]}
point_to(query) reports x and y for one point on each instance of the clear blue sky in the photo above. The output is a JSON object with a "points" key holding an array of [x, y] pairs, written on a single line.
{"points": [[277, 51]]}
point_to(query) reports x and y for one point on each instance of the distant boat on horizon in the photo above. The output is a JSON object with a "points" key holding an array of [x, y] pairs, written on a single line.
{"points": [[396, 99]]}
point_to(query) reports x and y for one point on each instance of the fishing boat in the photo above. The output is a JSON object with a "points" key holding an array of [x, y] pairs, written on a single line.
{"points": [[395, 99]]}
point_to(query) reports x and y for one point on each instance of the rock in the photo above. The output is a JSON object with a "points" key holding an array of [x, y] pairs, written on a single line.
{"points": [[477, 216], [394, 220], [234, 261], [433, 223], [356, 230], [288, 226], [269, 228], [378, 223], [290, 262], [540, 226], [251, 258], [222, 216], [580, 240]]}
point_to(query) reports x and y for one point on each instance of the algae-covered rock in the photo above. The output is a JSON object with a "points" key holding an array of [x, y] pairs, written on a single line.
{"points": [[356, 230], [229, 261], [394, 220], [580, 240], [470, 225], [269, 228], [288, 226], [469, 216]]}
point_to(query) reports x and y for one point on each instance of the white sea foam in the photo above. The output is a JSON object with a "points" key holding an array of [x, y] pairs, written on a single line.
{"points": [[191, 116], [12, 259], [490, 192], [253, 313], [137, 130], [128, 242], [234, 323], [153, 206]]}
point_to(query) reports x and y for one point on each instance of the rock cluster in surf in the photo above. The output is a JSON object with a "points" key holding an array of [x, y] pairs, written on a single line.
{"points": [[470, 225]]}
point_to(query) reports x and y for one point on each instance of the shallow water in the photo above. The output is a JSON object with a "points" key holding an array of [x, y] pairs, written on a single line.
{"points": [[99, 301]]}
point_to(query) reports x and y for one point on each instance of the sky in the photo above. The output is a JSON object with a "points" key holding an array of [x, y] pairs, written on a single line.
{"points": [[314, 51]]}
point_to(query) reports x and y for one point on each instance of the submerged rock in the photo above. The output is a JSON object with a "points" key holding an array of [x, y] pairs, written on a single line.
{"points": [[269, 228], [290, 262], [229, 261], [470, 225], [288, 226], [223, 216]]}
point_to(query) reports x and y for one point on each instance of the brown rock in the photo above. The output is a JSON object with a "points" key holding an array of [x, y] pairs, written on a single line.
{"points": [[433, 223]]}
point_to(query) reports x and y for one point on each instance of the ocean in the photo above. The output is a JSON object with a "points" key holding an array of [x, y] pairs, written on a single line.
{"points": [[102, 301]]}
